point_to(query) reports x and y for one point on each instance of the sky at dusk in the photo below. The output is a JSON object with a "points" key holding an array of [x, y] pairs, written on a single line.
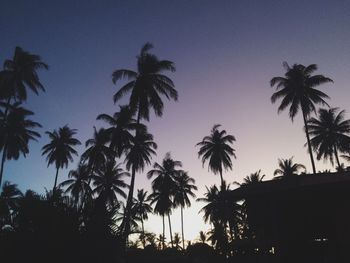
{"points": [[225, 53]]}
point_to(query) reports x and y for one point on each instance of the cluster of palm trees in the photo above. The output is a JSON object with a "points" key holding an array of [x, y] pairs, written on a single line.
{"points": [[298, 91], [124, 148]]}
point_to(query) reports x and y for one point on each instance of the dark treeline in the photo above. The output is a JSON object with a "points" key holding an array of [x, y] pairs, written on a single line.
{"points": [[91, 215]]}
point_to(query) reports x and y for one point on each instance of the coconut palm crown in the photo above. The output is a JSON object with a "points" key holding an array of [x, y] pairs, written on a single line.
{"points": [[330, 134], [216, 149], [297, 90]]}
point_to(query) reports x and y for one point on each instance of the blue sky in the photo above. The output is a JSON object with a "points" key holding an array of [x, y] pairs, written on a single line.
{"points": [[225, 53]]}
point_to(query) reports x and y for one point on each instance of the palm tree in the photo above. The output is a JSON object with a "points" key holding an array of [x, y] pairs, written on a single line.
{"points": [[77, 184], [9, 198], [16, 130], [60, 149], [184, 188], [20, 73], [330, 134], [96, 154], [142, 208], [287, 168], [216, 149], [220, 209], [163, 205], [165, 181], [108, 182], [298, 89], [139, 154], [147, 84], [253, 178], [177, 240], [122, 124]]}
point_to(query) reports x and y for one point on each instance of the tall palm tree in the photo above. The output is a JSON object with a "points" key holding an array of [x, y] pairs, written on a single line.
{"points": [[165, 181], [139, 154], [330, 134], [184, 188], [142, 208], [298, 89], [20, 73], [9, 198], [288, 168], [108, 183], [77, 183], [60, 149], [121, 126], [216, 148], [16, 130], [163, 205], [253, 178], [147, 84]]}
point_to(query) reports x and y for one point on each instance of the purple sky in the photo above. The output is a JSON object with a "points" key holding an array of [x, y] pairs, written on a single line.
{"points": [[225, 53]]}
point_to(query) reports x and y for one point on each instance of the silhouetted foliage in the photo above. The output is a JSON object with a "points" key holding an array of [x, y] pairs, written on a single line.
{"points": [[330, 134], [60, 149], [298, 89], [216, 149]]}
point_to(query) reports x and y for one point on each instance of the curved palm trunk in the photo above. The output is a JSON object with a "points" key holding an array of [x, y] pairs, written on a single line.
{"points": [[182, 228], [55, 184], [3, 159], [308, 142], [171, 234], [336, 157]]}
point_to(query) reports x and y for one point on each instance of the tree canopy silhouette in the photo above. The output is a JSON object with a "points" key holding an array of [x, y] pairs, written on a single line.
{"points": [[297, 89]]}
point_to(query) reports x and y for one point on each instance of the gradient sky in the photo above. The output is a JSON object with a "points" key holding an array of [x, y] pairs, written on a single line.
{"points": [[225, 53]]}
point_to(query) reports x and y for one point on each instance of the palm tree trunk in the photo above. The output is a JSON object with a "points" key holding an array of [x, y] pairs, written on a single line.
{"points": [[55, 184], [337, 157], [308, 142], [182, 228], [126, 220], [171, 233], [85, 194], [163, 240], [222, 179], [3, 159], [143, 234]]}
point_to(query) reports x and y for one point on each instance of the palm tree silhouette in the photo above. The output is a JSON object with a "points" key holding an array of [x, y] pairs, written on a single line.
{"points": [[330, 134], [147, 84], [163, 205], [77, 184], [298, 89], [165, 181], [108, 183], [122, 124], [252, 178], [184, 188], [60, 149], [9, 197], [216, 149], [287, 168], [15, 133], [96, 154], [20, 73], [142, 208], [138, 155]]}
